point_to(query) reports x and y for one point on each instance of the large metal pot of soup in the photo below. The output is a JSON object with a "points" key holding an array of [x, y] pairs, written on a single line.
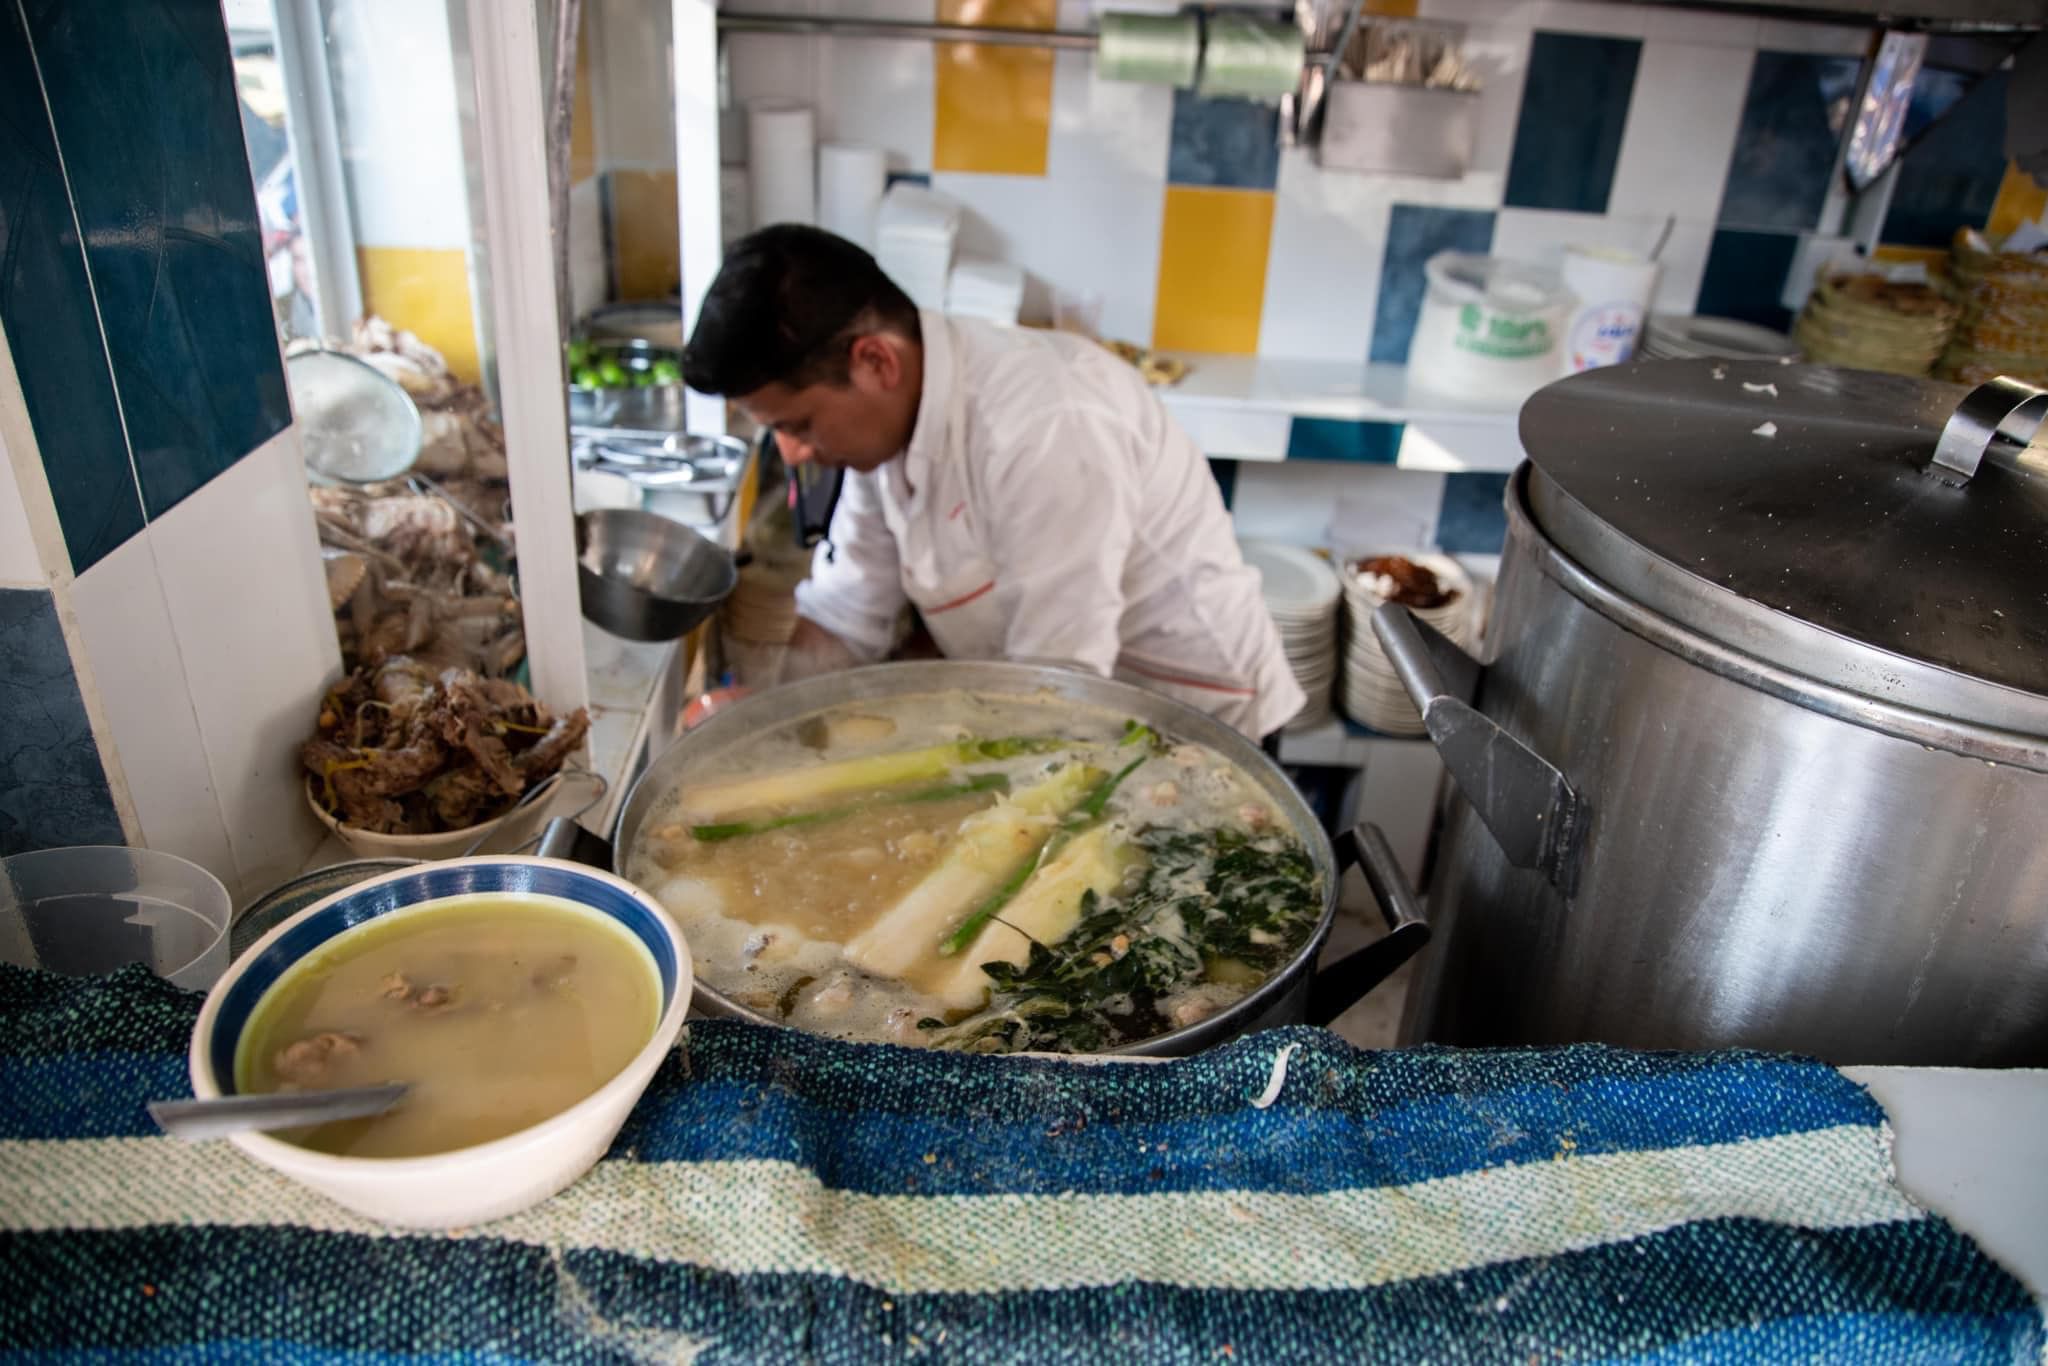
{"points": [[999, 857], [1758, 755]]}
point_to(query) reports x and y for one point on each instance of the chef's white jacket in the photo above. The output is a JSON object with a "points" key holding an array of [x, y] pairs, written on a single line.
{"points": [[1049, 509]]}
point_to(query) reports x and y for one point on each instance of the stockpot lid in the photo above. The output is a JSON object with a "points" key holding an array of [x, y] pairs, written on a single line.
{"points": [[1799, 514]]}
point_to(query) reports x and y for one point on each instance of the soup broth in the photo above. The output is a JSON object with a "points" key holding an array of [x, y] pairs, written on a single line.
{"points": [[499, 1010], [978, 872]]}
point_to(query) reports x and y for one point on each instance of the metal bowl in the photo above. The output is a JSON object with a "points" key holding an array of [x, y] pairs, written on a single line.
{"points": [[645, 577]]}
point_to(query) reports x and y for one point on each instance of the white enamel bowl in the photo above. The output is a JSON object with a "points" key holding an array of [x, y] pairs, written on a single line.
{"points": [[489, 1180]]}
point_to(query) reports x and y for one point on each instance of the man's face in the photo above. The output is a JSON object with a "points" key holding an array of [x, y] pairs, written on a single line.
{"points": [[858, 425]]}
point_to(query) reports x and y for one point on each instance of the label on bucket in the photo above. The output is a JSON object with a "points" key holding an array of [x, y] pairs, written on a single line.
{"points": [[1502, 336], [1604, 335]]}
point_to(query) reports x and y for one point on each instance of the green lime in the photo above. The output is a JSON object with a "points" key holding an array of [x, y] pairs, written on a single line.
{"points": [[610, 374], [667, 372], [588, 378]]}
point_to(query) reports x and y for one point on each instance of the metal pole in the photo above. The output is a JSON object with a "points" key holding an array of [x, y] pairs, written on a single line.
{"points": [[888, 28]]}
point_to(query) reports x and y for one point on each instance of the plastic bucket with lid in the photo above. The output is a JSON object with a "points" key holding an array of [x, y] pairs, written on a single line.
{"points": [[1491, 331]]}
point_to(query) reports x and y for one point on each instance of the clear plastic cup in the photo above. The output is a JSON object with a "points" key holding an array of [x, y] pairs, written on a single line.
{"points": [[94, 908]]}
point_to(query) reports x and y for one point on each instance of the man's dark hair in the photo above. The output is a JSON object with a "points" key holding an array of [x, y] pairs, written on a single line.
{"points": [[786, 307]]}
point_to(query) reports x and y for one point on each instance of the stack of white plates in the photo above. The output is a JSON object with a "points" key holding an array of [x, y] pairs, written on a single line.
{"points": [[1373, 695], [1301, 592]]}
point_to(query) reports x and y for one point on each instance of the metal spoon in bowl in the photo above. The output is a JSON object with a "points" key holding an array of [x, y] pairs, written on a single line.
{"points": [[194, 1120]]}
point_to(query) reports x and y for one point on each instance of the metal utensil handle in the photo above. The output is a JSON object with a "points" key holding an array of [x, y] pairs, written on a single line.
{"points": [[533, 794], [195, 1120], [1532, 811], [1341, 985], [1996, 408]]}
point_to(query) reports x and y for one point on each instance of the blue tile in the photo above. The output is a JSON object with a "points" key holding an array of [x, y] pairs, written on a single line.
{"points": [[1793, 121], [1745, 276], [1473, 517], [1224, 143], [143, 96], [1226, 480], [1568, 135], [46, 307], [53, 791], [1950, 178], [1415, 233], [923, 179], [1329, 438]]}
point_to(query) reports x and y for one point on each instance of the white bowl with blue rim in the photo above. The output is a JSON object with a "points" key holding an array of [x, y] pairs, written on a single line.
{"points": [[487, 1180]]}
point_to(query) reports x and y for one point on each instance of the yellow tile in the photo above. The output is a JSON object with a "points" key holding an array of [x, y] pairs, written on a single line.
{"points": [[646, 257], [1212, 269], [992, 106], [582, 123], [2021, 199], [1895, 255], [1391, 9], [424, 290]]}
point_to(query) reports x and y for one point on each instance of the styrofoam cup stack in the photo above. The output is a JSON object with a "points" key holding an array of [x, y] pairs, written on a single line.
{"points": [[850, 183], [1373, 693], [1301, 594], [782, 180]]}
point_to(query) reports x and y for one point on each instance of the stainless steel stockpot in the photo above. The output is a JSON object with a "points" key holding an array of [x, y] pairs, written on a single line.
{"points": [[1759, 752]]}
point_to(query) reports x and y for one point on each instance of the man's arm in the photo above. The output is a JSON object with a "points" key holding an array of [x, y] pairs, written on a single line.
{"points": [[1061, 540], [848, 609]]}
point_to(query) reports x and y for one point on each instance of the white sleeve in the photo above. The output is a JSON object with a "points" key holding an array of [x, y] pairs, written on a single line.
{"points": [[1061, 533], [856, 589]]}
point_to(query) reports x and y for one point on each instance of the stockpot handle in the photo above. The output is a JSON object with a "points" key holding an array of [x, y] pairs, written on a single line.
{"points": [[1998, 409], [1338, 987], [1534, 814]]}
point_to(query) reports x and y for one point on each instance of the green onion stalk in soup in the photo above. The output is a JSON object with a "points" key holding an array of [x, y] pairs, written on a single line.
{"points": [[500, 1010], [978, 872]]}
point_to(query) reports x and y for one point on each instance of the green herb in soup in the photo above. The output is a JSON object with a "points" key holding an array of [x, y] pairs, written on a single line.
{"points": [[888, 871], [499, 1010]]}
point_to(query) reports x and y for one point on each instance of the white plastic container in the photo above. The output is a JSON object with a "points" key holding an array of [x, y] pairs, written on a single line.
{"points": [[94, 908], [1614, 289], [1491, 332]]}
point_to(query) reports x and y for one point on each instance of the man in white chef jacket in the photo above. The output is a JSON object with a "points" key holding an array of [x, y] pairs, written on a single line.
{"points": [[1024, 490]]}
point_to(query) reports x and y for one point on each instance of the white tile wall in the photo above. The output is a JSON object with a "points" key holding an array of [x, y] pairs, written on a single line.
{"points": [[135, 666], [1099, 236], [859, 90], [1297, 500], [1106, 129], [1329, 232], [240, 567], [1680, 135], [20, 566]]}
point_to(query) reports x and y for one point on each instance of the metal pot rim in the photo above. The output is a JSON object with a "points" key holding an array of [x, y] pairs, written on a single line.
{"points": [[1952, 728], [792, 700]]}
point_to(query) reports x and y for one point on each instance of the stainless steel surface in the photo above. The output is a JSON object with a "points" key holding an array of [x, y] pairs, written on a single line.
{"points": [[1787, 512], [658, 322], [1343, 984], [1532, 812], [849, 27], [357, 425], [195, 1120], [645, 577], [1397, 129], [1282, 998], [1762, 866], [1999, 410], [656, 409], [1938, 15]]}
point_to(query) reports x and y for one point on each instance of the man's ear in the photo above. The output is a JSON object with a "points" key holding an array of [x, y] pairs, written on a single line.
{"points": [[876, 360]]}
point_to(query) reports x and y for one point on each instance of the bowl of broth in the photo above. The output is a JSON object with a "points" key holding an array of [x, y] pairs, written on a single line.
{"points": [[525, 1002]]}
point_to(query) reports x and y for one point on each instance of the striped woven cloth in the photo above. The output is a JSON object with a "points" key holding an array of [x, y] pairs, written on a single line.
{"points": [[779, 1197]]}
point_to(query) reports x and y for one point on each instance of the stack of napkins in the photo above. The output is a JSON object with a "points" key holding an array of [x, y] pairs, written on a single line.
{"points": [[914, 235], [991, 290]]}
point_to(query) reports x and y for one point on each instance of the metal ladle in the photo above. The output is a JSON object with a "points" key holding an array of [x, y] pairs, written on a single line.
{"points": [[359, 427], [195, 1120]]}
